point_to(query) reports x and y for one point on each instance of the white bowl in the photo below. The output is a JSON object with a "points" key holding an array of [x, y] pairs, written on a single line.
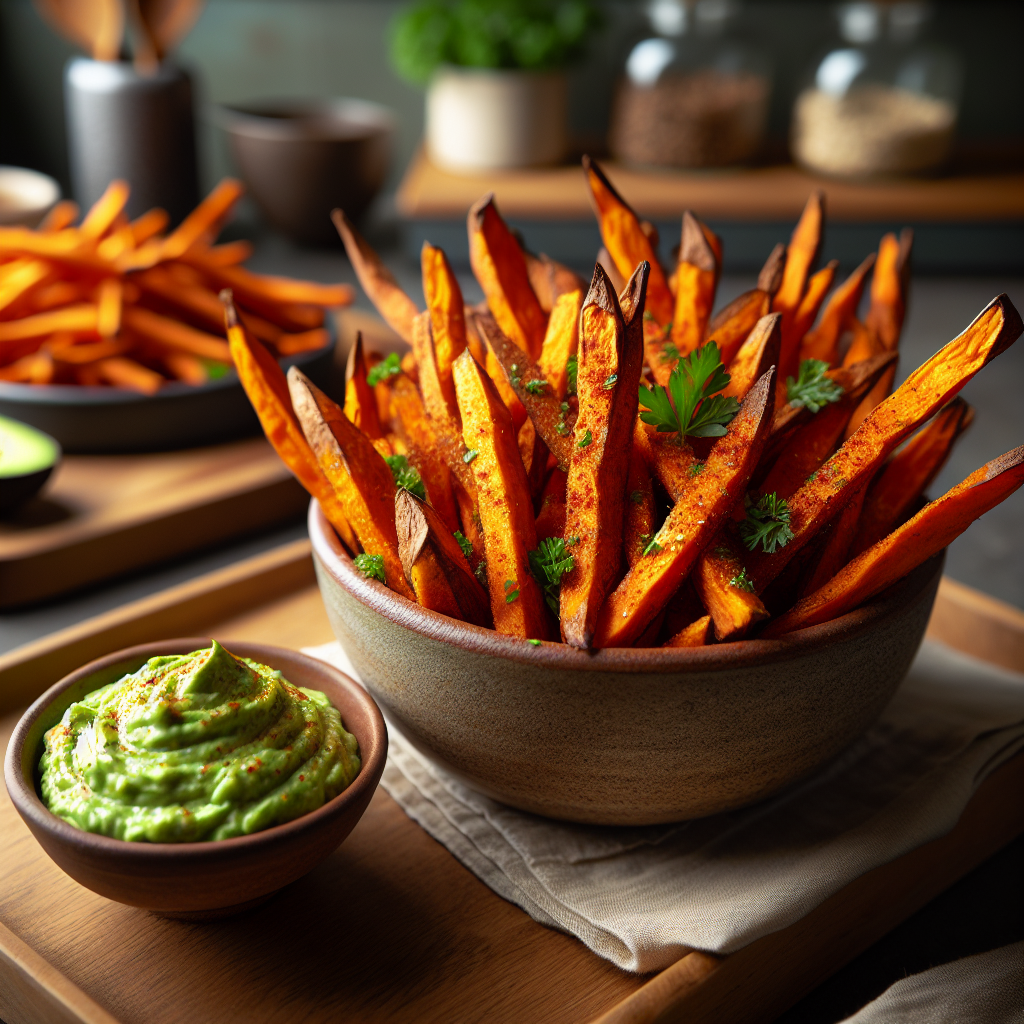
{"points": [[25, 196]]}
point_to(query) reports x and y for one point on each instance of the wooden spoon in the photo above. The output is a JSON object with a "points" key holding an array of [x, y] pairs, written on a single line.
{"points": [[95, 25]]}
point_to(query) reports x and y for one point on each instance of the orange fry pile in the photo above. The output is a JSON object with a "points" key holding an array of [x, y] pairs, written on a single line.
{"points": [[111, 301], [616, 465]]}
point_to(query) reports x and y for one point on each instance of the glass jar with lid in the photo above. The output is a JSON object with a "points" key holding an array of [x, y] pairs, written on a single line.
{"points": [[696, 93], [884, 102]]}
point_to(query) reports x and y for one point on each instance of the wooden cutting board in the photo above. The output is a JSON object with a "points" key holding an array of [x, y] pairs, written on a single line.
{"points": [[104, 515], [391, 927]]}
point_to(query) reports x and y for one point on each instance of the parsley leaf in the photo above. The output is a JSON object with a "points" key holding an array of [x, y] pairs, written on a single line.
{"points": [[470, 455], [510, 596], [652, 548], [811, 387], [548, 564], [697, 468], [742, 580], [691, 411], [536, 387], [385, 368], [572, 366], [610, 382], [536, 643], [586, 440], [406, 476], [767, 524], [467, 548], [669, 351], [371, 566]]}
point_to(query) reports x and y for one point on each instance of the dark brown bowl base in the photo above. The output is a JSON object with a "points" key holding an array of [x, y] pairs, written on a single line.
{"points": [[217, 914]]}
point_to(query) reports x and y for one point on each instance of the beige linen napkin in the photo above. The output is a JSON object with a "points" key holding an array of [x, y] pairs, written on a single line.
{"points": [[641, 896]]}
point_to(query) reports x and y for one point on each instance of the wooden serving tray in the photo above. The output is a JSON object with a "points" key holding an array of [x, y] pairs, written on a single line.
{"points": [[103, 515], [391, 927]]}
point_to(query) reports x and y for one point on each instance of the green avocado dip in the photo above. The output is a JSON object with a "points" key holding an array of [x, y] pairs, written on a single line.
{"points": [[193, 747]]}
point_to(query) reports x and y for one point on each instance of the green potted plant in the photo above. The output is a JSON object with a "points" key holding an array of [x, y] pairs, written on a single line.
{"points": [[495, 76]]}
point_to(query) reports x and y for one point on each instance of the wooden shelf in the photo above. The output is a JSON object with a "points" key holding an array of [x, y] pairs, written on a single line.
{"points": [[775, 193]]}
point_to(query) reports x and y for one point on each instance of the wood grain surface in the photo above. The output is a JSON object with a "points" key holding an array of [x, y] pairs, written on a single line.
{"points": [[757, 194], [391, 927], [103, 515]]}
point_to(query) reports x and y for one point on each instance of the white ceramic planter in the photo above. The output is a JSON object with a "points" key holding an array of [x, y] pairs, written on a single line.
{"points": [[483, 119]]}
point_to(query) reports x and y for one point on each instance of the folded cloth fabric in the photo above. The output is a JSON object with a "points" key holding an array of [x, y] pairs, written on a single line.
{"points": [[642, 897], [983, 989]]}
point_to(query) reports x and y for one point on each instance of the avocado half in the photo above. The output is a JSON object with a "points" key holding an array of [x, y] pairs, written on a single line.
{"points": [[27, 458]]}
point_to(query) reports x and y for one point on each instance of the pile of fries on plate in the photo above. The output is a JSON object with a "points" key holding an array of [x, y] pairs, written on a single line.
{"points": [[614, 466], [109, 301]]}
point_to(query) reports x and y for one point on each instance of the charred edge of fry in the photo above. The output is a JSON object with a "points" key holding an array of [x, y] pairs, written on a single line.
{"points": [[602, 292], [633, 298], [770, 277], [694, 247], [591, 166]]}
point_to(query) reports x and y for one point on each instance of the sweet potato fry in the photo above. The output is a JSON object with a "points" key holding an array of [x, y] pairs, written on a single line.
{"points": [[497, 375], [175, 335], [420, 439], [627, 243], [268, 391], [360, 401], [108, 307], [823, 341], [105, 210], [639, 515], [434, 564], [288, 292], [23, 275], [610, 362], [561, 340], [150, 224], [907, 547], [801, 255], [230, 254], [506, 512], [62, 215], [447, 315], [550, 279], [33, 368], [732, 325], [694, 635], [908, 473], [696, 277], [534, 453], [769, 278], [836, 540], [79, 319], [360, 477], [721, 582], [927, 389], [204, 220], [127, 373], [188, 368], [64, 349], [757, 354], [693, 522], [670, 459], [604, 257], [553, 420], [889, 287], [551, 517], [803, 318], [500, 267], [303, 341], [812, 443]]}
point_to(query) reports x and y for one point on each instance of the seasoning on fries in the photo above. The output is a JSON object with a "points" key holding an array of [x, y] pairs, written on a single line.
{"points": [[619, 467]]}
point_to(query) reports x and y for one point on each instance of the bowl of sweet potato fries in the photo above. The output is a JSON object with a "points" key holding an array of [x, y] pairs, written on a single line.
{"points": [[610, 558], [112, 332]]}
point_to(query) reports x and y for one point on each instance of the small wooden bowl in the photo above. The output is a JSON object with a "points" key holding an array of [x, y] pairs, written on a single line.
{"points": [[622, 736], [196, 880]]}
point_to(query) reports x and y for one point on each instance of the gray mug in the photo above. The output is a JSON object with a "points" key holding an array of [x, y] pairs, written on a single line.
{"points": [[140, 128]]}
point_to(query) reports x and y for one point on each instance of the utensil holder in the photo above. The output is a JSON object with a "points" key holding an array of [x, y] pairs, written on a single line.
{"points": [[121, 124]]}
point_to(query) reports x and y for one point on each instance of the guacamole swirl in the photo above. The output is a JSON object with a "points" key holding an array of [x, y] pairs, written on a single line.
{"points": [[193, 747]]}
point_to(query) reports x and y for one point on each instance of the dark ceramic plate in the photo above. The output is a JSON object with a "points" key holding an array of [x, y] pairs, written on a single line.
{"points": [[108, 420]]}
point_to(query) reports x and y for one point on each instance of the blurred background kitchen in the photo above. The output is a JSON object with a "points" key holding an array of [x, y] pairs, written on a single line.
{"points": [[906, 114]]}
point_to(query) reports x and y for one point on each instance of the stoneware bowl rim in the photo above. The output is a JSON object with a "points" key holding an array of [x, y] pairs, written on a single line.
{"points": [[626, 660], [372, 749], [331, 119]]}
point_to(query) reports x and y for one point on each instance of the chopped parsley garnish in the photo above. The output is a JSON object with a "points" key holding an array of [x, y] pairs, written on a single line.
{"points": [[388, 367], [371, 566], [767, 524], [742, 580], [510, 597], [610, 382], [669, 351], [470, 456], [812, 388], [406, 476], [548, 564], [691, 410], [586, 440], [652, 548], [536, 387], [480, 572], [467, 548], [696, 469], [536, 643], [572, 366], [636, 497]]}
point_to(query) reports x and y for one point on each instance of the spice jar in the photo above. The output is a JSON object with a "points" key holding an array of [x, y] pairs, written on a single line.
{"points": [[882, 103], [693, 95]]}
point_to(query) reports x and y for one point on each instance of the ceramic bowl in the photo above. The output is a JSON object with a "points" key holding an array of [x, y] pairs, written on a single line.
{"points": [[302, 158], [622, 736], [27, 459], [25, 196], [196, 880]]}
